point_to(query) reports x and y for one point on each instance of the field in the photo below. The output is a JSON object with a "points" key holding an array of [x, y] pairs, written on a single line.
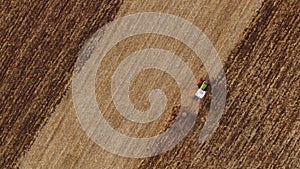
{"points": [[258, 42]]}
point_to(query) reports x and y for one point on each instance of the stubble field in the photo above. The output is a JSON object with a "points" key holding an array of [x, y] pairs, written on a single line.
{"points": [[258, 43]]}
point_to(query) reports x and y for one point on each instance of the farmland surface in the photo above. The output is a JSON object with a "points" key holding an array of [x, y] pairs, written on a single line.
{"points": [[258, 43]]}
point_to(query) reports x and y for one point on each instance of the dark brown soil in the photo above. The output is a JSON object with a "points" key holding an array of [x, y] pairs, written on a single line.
{"points": [[260, 127], [39, 44]]}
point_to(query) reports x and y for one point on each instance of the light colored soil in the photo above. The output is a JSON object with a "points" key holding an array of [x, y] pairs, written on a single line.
{"points": [[63, 144]]}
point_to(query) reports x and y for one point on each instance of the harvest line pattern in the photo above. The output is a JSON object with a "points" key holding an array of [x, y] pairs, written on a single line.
{"points": [[39, 44], [261, 124]]}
